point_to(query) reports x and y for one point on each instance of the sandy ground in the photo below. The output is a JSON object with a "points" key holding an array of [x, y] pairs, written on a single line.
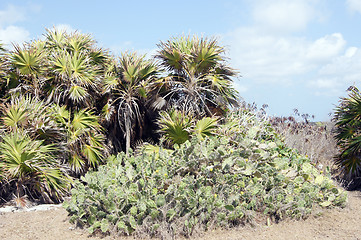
{"points": [[331, 224]]}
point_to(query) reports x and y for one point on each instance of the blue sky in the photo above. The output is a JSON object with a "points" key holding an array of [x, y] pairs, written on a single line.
{"points": [[290, 53]]}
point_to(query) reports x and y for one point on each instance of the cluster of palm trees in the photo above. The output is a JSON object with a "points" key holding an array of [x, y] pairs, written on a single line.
{"points": [[67, 104]]}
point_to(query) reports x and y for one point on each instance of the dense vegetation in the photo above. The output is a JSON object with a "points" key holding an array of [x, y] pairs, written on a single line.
{"points": [[157, 145], [244, 170], [75, 103]]}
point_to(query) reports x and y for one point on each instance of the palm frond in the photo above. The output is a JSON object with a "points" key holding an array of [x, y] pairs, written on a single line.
{"points": [[198, 74], [84, 119], [205, 127], [31, 162], [176, 126], [348, 134], [27, 62]]}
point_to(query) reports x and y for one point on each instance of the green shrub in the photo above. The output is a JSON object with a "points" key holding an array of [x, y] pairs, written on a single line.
{"points": [[31, 164], [217, 181], [48, 143], [348, 125]]}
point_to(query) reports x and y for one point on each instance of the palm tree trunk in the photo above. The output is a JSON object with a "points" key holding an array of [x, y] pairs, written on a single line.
{"points": [[19, 194], [19, 189], [127, 135], [127, 139]]}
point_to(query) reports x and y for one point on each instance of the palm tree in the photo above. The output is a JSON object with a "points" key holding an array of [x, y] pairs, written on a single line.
{"points": [[129, 89], [33, 166], [348, 135], [3, 70], [78, 135], [64, 68], [198, 80], [28, 64], [76, 69], [84, 139], [24, 113]]}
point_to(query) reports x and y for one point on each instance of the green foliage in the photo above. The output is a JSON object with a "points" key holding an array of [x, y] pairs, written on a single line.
{"points": [[175, 126], [27, 62], [348, 135], [78, 134], [63, 68], [128, 85], [35, 128], [68, 69], [33, 166], [199, 79], [83, 139], [24, 113], [178, 127], [3, 69], [205, 127], [220, 180], [28, 152]]}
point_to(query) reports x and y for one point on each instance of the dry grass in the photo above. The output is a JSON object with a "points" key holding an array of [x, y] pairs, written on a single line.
{"points": [[312, 139]]}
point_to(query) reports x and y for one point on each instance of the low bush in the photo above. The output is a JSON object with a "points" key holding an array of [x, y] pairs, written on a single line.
{"points": [[243, 171]]}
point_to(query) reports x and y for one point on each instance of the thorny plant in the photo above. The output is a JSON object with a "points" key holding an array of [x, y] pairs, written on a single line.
{"points": [[224, 180]]}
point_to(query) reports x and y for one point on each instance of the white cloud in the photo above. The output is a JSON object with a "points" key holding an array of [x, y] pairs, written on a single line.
{"points": [[284, 15], [13, 34], [284, 66], [268, 51], [328, 86], [346, 67], [354, 5], [325, 83], [117, 49], [149, 53], [65, 27], [10, 33], [11, 15], [326, 47], [351, 51], [128, 46], [269, 58]]}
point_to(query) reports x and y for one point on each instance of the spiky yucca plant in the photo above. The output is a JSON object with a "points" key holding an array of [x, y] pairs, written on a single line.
{"points": [[348, 135]]}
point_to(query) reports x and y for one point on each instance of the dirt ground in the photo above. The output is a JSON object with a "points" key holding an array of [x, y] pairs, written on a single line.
{"points": [[331, 224]]}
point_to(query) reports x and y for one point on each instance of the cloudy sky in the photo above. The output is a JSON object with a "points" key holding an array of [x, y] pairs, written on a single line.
{"points": [[290, 54]]}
